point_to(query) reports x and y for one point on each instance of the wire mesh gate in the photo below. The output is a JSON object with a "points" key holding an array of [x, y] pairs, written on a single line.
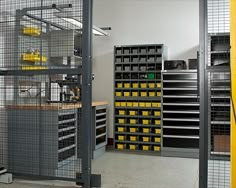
{"points": [[216, 93], [40, 88], [219, 87]]}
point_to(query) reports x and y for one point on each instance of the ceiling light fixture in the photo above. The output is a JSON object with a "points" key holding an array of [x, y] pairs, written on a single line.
{"points": [[67, 16]]}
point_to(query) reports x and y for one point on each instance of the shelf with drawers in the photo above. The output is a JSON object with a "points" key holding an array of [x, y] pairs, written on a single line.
{"points": [[100, 131], [53, 138], [180, 123]]}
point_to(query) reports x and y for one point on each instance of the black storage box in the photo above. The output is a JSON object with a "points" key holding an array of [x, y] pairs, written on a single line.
{"points": [[192, 63], [174, 64]]}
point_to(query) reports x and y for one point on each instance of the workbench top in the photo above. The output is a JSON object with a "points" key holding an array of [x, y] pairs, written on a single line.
{"points": [[53, 106]]}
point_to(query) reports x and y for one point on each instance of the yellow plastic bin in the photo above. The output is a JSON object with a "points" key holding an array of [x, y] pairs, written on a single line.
{"points": [[120, 146], [132, 129], [126, 85], [129, 104], [121, 129], [132, 147], [145, 113], [133, 138], [158, 85], [121, 121], [121, 138], [156, 104], [31, 31], [156, 148], [132, 121], [146, 139], [134, 94], [142, 104], [135, 104], [146, 147], [148, 104], [135, 85], [157, 113], [121, 112], [34, 67], [143, 94], [117, 104], [118, 94], [151, 85], [123, 104], [146, 121], [151, 94], [33, 57], [132, 113], [146, 130], [126, 94], [143, 85], [119, 85], [157, 122], [158, 131], [157, 139]]}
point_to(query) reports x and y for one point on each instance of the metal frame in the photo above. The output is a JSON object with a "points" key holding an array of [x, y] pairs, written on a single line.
{"points": [[203, 80], [73, 71], [86, 179]]}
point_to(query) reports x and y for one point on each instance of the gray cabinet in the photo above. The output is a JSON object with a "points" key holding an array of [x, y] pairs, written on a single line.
{"points": [[44, 141], [180, 113], [41, 141], [99, 131]]}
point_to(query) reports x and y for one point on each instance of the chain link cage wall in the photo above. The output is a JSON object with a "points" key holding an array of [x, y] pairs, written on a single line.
{"points": [[219, 92], [40, 82]]}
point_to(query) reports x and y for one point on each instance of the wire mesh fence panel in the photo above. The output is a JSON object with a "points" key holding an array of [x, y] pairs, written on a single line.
{"points": [[40, 84], [219, 93]]}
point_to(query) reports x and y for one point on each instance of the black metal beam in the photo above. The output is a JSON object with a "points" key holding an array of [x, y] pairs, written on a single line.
{"points": [[218, 69], [44, 21], [71, 71], [203, 85], [53, 6]]}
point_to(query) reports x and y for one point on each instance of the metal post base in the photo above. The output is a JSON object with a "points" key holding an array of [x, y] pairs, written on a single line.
{"points": [[95, 180]]}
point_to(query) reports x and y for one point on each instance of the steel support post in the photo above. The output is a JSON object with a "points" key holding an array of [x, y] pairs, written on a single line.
{"points": [[203, 85], [86, 115]]}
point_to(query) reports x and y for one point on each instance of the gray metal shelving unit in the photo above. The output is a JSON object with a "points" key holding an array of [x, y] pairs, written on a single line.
{"points": [[100, 130], [180, 123], [219, 89], [137, 100]]}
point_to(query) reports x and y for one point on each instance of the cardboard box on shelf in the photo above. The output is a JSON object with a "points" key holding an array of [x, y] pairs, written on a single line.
{"points": [[221, 143]]}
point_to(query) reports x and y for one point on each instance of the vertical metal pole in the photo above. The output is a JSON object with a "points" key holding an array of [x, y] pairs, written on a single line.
{"points": [[86, 115], [203, 153]]}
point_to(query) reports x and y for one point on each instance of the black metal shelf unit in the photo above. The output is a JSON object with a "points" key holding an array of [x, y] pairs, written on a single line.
{"points": [[219, 95], [180, 112]]}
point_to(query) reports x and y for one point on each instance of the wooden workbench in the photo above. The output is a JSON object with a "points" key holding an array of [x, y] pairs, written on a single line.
{"points": [[53, 106]]}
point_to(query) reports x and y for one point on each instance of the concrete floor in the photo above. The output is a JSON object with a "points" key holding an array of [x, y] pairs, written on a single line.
{"points": [[121, 170]]}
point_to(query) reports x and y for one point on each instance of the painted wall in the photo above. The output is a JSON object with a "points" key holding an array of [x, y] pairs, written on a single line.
{"points": [[174, 23]]}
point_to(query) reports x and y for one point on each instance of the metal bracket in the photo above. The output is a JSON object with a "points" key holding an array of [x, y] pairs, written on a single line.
{"points": [[95, 180]]}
